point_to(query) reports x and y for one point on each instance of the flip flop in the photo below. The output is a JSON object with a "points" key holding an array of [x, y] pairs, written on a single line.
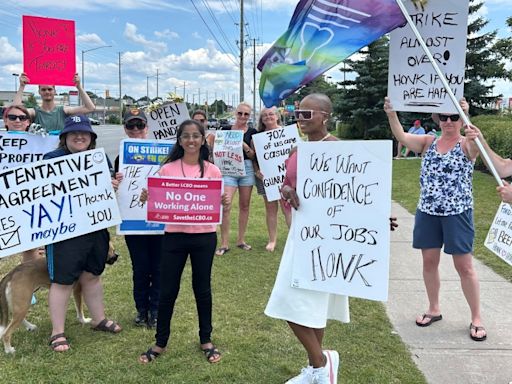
{"points": [[222, 251], [477, 328], [244, 246], [431, 319]]}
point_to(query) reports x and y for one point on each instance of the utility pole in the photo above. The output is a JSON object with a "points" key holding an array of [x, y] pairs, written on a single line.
{"points": [[254, 80], [241, 50], [206, 103], [157, 83], [199, 96], [120, 93]]}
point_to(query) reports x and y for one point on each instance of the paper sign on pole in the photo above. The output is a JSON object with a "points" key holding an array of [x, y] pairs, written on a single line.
{"points": [[138, 159], [413, 84], [499, 238], [49, 50], [163, 122], [54, 200], [228, 154], [174, 200], [18, 148], [342, 224], [272, 149]]}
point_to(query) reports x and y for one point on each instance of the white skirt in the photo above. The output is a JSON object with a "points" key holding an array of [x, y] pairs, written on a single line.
{"points": [[301, 306]]}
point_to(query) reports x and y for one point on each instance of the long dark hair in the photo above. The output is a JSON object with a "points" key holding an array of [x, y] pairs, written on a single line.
{"points": [[62, 142], [178, 152]]}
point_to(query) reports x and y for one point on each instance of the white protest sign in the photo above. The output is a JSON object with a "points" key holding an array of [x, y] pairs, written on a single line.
{"points": [[138, 159], [163, 122], [18, 148], [272, 149], [54, 200], [342, 224], [228, 152], [413, 84], [499, 238]]}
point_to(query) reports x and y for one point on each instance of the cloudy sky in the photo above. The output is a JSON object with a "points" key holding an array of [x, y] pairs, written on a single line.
{"points": [[192, 43]]}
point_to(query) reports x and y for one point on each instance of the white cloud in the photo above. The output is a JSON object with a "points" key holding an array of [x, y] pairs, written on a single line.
{"points": [[196, 35], [89, 38], [102, 4], [9, 53], [166, 34], [130, 32]]}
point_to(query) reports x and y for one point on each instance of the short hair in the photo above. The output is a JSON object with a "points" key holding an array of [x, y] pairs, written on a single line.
{"points": [[19, 107], [199, 112]]}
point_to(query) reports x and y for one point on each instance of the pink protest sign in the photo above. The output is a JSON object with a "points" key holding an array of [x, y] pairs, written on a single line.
{"points": [[184, 201], [49, 50]]}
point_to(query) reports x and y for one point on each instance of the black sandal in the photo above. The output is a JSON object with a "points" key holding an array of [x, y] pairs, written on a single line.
{"points": [[150, 356], [211, 353], [54, 344]]}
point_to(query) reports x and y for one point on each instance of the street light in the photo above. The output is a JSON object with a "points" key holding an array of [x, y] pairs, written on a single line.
{"points": [[16, 75], [89, 50]]}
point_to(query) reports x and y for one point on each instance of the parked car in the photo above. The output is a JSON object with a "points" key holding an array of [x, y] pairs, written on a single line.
{"points": [[94, 121], [224, 123], [213, 123], [2, 124]]}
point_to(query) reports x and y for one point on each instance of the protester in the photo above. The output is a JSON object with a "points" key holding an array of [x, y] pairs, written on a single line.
{"points": [[81, 258], [307, 311], [244, 184], [50, 116], [145, 250], [444, 215], [200, 116], [189, 159], [17, 119], [269, 119], [416, 129]]}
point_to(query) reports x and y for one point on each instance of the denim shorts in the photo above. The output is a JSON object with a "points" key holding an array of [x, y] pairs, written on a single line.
{"points": [[241, 181], [455, 232]]}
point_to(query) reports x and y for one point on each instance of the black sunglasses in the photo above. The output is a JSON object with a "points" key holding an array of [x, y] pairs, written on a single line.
{"points": [[20, 117], [243, 114], [138, 125], [452, 117]]}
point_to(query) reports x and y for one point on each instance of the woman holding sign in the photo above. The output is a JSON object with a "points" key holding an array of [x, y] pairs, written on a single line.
{"points": [[188, 159], [444, 215], [307, 311], [269, 119]]}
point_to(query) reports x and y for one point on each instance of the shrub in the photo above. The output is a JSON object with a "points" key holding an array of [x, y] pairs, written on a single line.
{"points": [[497, 131]]}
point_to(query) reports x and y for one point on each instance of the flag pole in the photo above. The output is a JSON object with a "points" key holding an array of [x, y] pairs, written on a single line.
{"points": [[482, 150]]}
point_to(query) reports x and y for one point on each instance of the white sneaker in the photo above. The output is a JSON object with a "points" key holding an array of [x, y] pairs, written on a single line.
{"points": [[320, 376], [332, 365], [304, 377]]}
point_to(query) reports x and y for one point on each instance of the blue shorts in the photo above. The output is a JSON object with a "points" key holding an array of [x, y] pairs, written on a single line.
{"points": [[455, 232], [241, 181]]}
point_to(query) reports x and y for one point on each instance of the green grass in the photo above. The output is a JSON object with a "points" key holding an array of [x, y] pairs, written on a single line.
{"points": [[406, 191], [256, 349]]}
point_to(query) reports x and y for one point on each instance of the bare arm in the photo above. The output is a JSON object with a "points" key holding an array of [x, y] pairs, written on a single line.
{"points": [[415, 143], [18, 98], [87, 104]]}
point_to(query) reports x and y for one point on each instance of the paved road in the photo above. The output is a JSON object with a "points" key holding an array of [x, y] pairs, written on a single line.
{"points": [[109, 137]]}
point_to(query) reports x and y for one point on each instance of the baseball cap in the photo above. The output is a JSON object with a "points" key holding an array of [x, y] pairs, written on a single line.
{"points": [[134, 113], [77, 123], [417, 122]]}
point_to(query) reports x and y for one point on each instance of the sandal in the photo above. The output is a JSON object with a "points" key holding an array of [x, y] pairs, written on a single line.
{"points": [[149, 356], [244, 246], [477, 329], [431, 319], [222, 251], [54, 344], [212, 354], [103, 327]]}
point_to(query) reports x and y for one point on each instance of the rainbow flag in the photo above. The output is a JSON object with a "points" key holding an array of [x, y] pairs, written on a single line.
{"points": [[321, 34]]}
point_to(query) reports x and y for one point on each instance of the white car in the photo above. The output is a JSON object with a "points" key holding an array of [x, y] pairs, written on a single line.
{"points": [[94, 121], [2, 124]]}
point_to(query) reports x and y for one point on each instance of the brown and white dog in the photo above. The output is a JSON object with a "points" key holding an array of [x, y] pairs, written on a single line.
{"points": [[16, 290]]}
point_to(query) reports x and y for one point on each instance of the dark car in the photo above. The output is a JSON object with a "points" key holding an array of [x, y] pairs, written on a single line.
{"points": [[224, 124], [213, 123], [94, 121]]}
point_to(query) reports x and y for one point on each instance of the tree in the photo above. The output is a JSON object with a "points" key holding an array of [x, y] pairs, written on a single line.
{"points": [[31, 102], [485, 59]]}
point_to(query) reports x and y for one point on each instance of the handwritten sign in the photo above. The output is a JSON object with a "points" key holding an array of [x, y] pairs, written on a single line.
{"points": [[18, 148], [342, 224], [54, 200], [184, 201], [164, 121], [272, 149], [138, 160], [49, 50], [499, 238], [228, 152], [413, 84]]}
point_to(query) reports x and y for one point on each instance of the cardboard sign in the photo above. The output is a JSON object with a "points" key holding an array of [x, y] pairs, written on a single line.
{"points": [[499, 238], [164, 121], [342, 224], [413, 84], [54, 200], [138, 159], [49, 50], [18, 148], [184, 201], [228, 153], [272, 149]]}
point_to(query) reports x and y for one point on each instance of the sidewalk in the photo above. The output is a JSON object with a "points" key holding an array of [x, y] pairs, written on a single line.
{"points": [[444, 351]]}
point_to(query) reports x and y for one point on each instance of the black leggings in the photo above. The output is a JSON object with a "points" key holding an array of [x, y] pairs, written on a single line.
{"points": [[175, 251]]}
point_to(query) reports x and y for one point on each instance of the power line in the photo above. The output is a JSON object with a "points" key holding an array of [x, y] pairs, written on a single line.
{"points": [[216, 22]]}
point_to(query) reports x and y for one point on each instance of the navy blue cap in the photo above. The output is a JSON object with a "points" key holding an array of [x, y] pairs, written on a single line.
{"points": [[77, 123]]}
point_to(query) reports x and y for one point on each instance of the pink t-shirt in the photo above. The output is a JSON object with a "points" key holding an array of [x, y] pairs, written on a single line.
{"points": [[175, 169]]}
